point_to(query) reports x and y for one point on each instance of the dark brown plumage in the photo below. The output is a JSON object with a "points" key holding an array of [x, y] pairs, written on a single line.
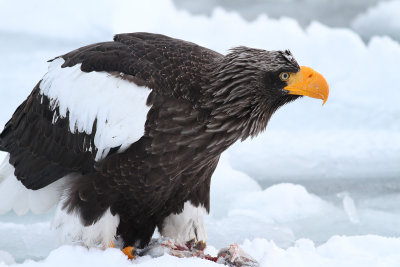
{"points": [[201, 103]]}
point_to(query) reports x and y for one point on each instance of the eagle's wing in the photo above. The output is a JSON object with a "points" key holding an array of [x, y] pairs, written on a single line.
{"points": [[93, 103], [167, 65]]}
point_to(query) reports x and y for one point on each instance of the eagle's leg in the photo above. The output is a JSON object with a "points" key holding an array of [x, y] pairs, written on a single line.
{"points": [[186, 227], [184, 233]]}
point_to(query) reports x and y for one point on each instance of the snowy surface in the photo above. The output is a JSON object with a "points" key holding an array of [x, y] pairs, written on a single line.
{"points": [[269, 224], [319, 188]]}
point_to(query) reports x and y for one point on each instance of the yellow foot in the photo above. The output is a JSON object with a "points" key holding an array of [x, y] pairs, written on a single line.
{"points": [[130, 252]]}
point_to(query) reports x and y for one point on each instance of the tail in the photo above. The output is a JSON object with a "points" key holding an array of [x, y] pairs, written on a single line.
{"points": [[15, 196]]}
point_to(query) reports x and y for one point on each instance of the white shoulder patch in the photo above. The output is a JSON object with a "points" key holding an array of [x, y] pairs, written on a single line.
{"points": [[118, 105], [187, 225]]}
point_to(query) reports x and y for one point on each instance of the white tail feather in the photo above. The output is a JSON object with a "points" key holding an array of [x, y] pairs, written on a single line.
{"points": [[15, 196]]}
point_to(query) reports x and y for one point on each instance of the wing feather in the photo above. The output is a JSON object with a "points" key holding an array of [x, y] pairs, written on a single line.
{"points": [[94, 101]]}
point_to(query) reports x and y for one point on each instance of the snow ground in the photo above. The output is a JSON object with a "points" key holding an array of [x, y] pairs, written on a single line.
{"points": [[319, 188]]}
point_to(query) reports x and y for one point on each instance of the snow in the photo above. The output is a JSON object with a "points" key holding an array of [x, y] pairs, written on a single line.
{"points": [[293, 199], [338, 251], [319, 188], [381, 19], [80, 256], [6, 258], [352, 251]]}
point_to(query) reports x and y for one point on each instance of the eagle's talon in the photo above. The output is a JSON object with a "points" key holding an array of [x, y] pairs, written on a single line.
{"points": [[196, 245], [130, 252]]}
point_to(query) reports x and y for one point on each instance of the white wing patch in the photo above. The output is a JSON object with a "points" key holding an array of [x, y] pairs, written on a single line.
{"points": [[118, 105]]}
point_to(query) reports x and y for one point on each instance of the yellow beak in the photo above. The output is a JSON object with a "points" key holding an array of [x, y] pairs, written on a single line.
{"points": [[308, 82]]}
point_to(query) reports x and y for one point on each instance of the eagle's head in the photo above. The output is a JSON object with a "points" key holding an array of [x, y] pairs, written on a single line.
{"points": [[251, 84]]}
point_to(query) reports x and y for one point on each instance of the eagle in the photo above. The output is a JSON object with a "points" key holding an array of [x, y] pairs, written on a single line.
{"points": [[123, 136]]}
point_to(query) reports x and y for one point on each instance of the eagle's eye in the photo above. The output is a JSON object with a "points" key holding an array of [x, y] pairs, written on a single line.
{"points": [[284, 76]]}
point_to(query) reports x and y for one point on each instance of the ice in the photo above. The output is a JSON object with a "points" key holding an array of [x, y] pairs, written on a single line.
{"points": [[26, 237], [381, 19], [295, 203], [319, 188], [234, 185], [335, 13], [6, 258], [350, 208], [234, 198]]}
